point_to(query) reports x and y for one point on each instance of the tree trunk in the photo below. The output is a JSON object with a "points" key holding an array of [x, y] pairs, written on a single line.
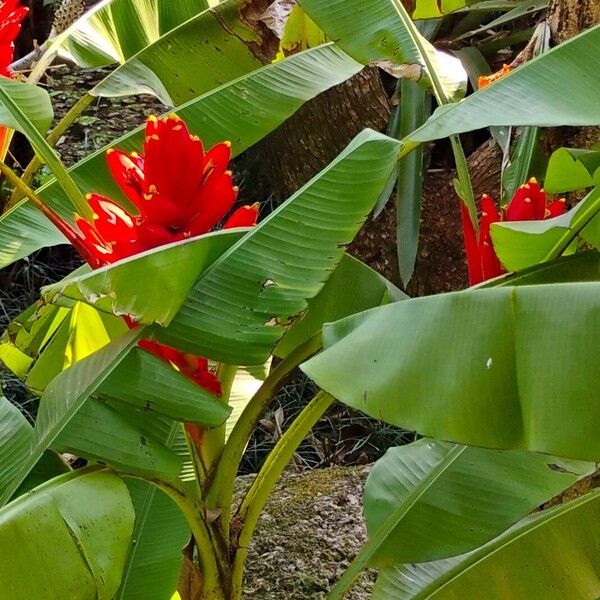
{"points": [[568, 18]]}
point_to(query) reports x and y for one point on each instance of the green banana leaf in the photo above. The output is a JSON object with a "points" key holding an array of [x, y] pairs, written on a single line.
{"points": [[32, 102], [64, 397], [382, 31], [49, 466], [483, 367], [517, 11], [583, 266], [522, 244], [148, 383], [15, 440], [78, 335], [351, 288], [552, 555], [129, 286], [571, 169], [28, 110], [160, 530], [246, 383], [68, 538], [102, 433], [449, 511], [115, 30], [242, 111], [215, 45], [31, 330], [434, 9], [413, 110], [528, 95], [243, 303]]}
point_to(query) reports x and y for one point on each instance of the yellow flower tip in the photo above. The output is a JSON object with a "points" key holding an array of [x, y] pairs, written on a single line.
{"points": [[154, 137], [88, 196], [194, 138], [255, 206], [533, 181], [178, 127], [148, 196], [134, 154], [236, 189], [95, 217], [229, 173], [152, 189], [546, 213], [173, 117], [110, 151], [563, 200], [227, 143], [152, 119]]}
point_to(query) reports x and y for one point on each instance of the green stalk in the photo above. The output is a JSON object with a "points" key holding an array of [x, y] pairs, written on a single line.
{"points": [[375, 541], [213, 440], [410, 114], [219, 491], [462, 171], [191, 508], [464, 179], [52, 138], [28, 193], [261, 488], [48, 155], [579, 221]]}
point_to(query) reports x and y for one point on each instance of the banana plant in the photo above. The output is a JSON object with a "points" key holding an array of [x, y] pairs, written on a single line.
{"points": [[152, 363], [471, 367], [116, 392]]}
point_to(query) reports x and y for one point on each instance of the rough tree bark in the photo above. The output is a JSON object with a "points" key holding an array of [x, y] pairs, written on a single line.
{"points": [[567, 18], [305, 144]]}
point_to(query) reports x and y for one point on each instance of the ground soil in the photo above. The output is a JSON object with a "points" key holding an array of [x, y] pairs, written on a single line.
{"points": [[311, 529]]}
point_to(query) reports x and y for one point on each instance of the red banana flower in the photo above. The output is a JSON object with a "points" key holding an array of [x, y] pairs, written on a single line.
{"points": [[11, 16], [180, 191], [529, 203]]}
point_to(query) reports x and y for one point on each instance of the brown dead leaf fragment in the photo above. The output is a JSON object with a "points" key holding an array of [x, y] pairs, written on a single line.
{"points": [[276, 16]]}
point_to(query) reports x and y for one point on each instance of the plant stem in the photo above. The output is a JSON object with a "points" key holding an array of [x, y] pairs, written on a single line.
{"points": [[464, 179], [28, 193], [53, 137], [213, 440], [412, 112], [261, 488], [462, 170], [54, 218], [192, 510], [220, 488], [47, 154], [375, 540]]}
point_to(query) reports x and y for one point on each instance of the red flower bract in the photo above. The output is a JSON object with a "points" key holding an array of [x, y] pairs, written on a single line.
{"points": [[530, 203], [179, 191], [11, 15]]}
